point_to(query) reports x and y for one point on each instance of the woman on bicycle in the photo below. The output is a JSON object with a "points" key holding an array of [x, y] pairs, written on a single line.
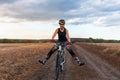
{"points": [[63, 36]]}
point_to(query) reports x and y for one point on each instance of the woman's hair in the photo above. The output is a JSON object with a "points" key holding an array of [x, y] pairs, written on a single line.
{"points": [[62, 21]]}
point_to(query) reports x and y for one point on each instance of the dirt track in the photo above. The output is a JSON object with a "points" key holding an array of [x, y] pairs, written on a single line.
{"points": [[95, 68]]}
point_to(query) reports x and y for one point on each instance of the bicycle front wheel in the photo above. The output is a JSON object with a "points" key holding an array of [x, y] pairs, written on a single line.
{"points": [[57, 70]]}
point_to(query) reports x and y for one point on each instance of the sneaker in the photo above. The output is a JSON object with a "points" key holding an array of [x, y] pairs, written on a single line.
{"points": [[81, 63], [42, 62], [76, 59]]}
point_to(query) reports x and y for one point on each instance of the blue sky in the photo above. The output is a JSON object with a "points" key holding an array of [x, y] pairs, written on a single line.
{"points": [[37, 19]]}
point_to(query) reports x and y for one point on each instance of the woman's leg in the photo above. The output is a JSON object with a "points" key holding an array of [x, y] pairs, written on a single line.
{"points": [[69, 49], [54, 48]]}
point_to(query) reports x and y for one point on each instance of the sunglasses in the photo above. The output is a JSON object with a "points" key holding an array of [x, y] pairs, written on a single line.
{"points": [[61, 24]]}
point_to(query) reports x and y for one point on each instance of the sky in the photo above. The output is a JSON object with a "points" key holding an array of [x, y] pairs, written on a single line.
{"points": [[38, 19]]}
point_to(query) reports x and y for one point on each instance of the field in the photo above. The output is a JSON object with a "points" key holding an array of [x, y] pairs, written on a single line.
{"points": [[19, 61], [108, 51]]}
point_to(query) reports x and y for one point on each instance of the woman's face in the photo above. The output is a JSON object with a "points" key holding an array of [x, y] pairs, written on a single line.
{"points": [[61, 25]]}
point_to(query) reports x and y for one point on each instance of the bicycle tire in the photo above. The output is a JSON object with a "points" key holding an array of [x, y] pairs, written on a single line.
{"points": [[57, 70]]}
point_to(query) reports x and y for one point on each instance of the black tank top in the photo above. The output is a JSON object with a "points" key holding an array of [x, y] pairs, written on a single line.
{"points": [[62, 35]]}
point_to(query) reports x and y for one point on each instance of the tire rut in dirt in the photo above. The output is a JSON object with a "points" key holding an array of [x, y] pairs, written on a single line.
{"points": [[102, 68], [46, 71]]}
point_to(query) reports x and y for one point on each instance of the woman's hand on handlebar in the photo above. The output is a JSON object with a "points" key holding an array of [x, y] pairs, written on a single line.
{"points": [[53, 41], [69, 43]]}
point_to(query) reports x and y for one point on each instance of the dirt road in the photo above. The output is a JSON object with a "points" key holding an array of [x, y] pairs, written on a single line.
{"points": [[95, 68]]}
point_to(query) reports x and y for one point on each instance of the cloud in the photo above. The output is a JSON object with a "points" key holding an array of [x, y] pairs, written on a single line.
{"points": [[6, 1], [112, 20], [38, 11], [98, 12]]}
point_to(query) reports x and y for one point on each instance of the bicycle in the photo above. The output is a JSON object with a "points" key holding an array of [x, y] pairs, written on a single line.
{"points": [[60, 60]]}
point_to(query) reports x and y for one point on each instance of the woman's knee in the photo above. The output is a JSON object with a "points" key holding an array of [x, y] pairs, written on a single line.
{"points": [[68, 47], [70, 50], [54, 47]]}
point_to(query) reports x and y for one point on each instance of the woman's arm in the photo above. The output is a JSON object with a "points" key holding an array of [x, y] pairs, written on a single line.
{"points": [[56, 31], [67, 35]]}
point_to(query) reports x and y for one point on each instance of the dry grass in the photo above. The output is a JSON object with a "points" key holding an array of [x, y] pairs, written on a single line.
{"points": [[108, 51], [19, 61]]}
